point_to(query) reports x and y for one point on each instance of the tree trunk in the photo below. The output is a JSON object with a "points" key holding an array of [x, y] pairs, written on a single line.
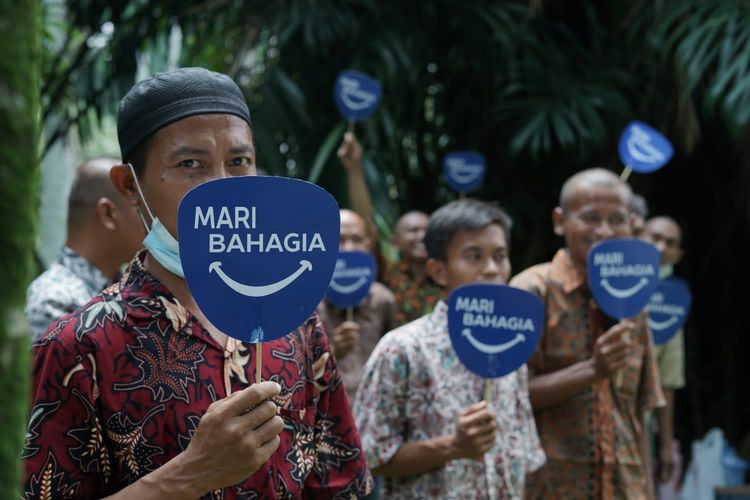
{"points": [[20, 64]]}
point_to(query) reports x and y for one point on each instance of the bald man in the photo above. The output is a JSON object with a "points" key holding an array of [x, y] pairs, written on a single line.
{"points": [[666, 235], [103, 233], [354, 340], [590, 426]]}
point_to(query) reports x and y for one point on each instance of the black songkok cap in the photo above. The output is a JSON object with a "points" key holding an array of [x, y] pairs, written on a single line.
{"points": [[164, 98]]}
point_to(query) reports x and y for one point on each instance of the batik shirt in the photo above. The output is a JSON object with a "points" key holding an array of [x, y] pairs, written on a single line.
{"points": [[414, 387], [592, 439], [414, 298], [68, 284], [120, 386]]}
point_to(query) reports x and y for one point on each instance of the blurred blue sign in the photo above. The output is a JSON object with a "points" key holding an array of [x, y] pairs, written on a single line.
{"points": [[644, 149], [668, 309], [258, 252], [494, 329], [356, 95], [464, 170], [622, 274], [352, 278]]}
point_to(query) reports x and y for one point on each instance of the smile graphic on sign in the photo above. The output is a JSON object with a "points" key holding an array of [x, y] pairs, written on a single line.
{"points": [[256, 258], [644, 149], [668, 309], [352, 278], [259, 291], [493, 328], [622, 274], [356, 95], [464, 170]]}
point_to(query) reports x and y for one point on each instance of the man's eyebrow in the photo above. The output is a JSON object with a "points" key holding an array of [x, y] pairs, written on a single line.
{"points": [[186, 151], [245, 148]]}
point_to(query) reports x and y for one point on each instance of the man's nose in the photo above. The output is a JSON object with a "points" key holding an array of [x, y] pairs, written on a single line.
{"points": [[604, 230], [491, 268]]}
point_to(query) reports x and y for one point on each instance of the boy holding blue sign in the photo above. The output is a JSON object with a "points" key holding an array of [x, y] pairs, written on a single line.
{"points": [[137, 394], [419, 410], [591, 427]]}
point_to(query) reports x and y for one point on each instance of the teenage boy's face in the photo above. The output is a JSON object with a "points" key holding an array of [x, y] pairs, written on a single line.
{"points": [[594, 214], [479, 256]]}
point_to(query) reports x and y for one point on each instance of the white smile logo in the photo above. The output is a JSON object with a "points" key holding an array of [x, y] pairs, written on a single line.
{"points": [[263, 290], [662, 325], [354, 97], [492, 348], [624, 294], [463, 172], [347, 289], [640, 147]]}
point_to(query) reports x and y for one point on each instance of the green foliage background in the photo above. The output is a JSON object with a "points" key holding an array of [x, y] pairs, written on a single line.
{"points": [[20, 62]]}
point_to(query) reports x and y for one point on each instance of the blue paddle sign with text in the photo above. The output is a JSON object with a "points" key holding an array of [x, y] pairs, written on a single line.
{"points": [[356, 95], [354, 273], [644, 149], [494, 329], [668, 309], [258, 252], [464, 170], [622, 274]]}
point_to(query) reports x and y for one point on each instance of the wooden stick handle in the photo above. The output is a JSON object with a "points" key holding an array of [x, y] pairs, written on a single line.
{"points": [[626, 173], [258, 361], [487, 389], [350, 127], [349, 314]]}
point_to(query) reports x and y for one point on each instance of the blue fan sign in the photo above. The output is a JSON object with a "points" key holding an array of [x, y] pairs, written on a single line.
{"points": [[352, 278], [644, 149], [623, 273], [464, 170], [256, 257], [356, 95], [494, 329], [668, 309]]}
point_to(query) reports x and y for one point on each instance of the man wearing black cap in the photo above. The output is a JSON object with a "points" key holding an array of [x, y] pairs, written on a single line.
{"points": [[137, 395]]}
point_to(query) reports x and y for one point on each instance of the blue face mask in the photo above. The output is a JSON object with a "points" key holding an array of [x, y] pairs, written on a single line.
{"points": [[159, 241]]}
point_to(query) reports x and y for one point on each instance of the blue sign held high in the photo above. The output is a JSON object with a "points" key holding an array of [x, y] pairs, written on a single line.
{"points": [[622, 274], [644, 149], [494, 329], [464, 170], [352, 278], [668, 309], [356, 95], [256, 257]]}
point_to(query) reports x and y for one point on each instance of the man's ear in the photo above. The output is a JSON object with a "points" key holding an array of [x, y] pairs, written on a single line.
{"points": [[123, 180], [558, 221], [106, 213], [436, 270]]}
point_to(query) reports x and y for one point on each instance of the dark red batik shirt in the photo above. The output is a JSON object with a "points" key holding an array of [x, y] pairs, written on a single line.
{"points": [[120, 385]]}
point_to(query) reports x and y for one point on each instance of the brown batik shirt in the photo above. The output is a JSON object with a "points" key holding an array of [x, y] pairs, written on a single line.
{"points": [[592, 440], [414, 298]]}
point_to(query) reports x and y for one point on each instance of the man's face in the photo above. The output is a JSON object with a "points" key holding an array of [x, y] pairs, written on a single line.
{"points": [[595, 213], [353, 234], [409, 236], [190, 152], [479, 256], [666, 237]]}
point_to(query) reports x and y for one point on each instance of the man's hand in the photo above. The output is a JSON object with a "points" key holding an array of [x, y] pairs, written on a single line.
{"points": [[611, 349], [666, 462], [350, 152], [345, 338], [235, 437], [475, 431]]}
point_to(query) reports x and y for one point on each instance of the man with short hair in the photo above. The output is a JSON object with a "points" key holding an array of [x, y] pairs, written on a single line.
{"points": [[664, 233], [424, 426], [353, 340], [591, 425], [137, 394], [103, 233]]}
